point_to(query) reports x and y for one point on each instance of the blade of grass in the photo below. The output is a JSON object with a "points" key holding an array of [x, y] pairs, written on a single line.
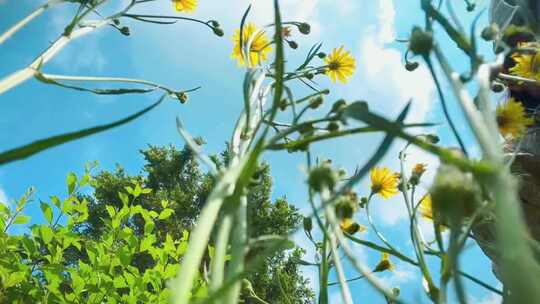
{"points": [[47, 143]]}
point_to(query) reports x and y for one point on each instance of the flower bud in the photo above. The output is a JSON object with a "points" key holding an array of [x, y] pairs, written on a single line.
{"points": [[213, 23], [309, 76], [321, 55], [421, 42], [455, 195], [490, 33], [471, 7], [182, 97], [314, 103], [411, 66], [292, 44], [304, 28], [218, 31], [125, 31], [322, 177]]}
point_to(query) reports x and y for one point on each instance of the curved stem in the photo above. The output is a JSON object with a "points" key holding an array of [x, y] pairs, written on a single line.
{"points": [[444, 106]]}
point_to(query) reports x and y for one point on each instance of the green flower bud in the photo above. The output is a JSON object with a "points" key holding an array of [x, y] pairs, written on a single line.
{"points": [[471, 7], [491, 32], [213, 23], [455, 195], [321, 55], [421, 42], [292, 44], [182, 97], [314, 103], [125, 31], [411, 66], [218, 31], [304, 28], [322, 177], [309, 76]]}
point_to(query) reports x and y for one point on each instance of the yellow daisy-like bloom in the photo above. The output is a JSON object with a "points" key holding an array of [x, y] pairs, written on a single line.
{"points": [[340, 65], [426, 207], [350, 226], [419, 169], [187, 6], [384, 182], [512, 119], [527, 64], [258, 50], [384, 264]]}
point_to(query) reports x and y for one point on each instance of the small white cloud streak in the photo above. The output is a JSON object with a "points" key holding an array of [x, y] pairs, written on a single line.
{"points": [[3, 196]]}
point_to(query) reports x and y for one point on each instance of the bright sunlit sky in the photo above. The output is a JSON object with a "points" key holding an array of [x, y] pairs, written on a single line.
{"points": [[187, 55]]}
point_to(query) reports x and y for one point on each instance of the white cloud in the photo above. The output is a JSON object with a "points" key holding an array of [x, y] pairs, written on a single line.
{"points": [[492, 298], [3, 197]]}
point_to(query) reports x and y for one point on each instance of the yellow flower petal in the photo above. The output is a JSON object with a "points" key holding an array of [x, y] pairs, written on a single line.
{"points": [[512, 119], [340, 65], [384, 182], [187, 6], [258, 49]]}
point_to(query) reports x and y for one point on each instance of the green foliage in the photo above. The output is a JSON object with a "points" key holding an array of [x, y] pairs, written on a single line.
{"points": [[124, 241], [53, 263]]}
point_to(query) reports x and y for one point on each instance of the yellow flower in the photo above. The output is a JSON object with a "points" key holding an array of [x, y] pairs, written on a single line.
{"points": [[350, 226], [426, 207], [512, 119], [258, 49], [527, 65], [187, 6], [340, 64], [384, 182], [384, 264]]}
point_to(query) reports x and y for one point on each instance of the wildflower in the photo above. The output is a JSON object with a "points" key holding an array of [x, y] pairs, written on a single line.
{"points": [[322, 177], [384, 182], [417, 172], [384, 264], [287, 32], [426, 209], [512, 119], [419, 169], [259, 45], [527, 65], [350, 226], [340, 64], [187, 6]]}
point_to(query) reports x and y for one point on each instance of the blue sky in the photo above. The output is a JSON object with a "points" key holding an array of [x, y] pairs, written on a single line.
{"points": [[188, 55]]}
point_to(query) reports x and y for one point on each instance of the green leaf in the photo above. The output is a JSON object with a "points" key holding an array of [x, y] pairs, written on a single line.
{"points": [[165, 214], [14, 279], [110, 210], [71, 182], [46, 234], [47, 211], [149, 227], [56, 201], [38, 146], [21, 220], [124, 198]]}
